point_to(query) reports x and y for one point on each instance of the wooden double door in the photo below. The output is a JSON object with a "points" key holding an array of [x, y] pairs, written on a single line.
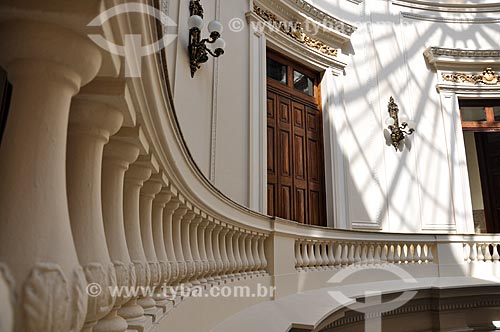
{"points": [[295, 162]]}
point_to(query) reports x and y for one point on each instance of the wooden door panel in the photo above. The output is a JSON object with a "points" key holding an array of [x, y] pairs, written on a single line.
{"points": [[299, 157], [286, 202], [314, 207], [271, 199], [271, 160], [314, 159], [285, 157], [300, 205]]}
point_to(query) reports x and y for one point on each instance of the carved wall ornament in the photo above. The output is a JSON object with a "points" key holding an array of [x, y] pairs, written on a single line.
{"points": [[488, 77], [295, 31], [46, 300], [105, 277]]}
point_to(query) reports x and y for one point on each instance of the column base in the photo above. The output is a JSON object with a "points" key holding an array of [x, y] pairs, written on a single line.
{"points": [[143, 324]]}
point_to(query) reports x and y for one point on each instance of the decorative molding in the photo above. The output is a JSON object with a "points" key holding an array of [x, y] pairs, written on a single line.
{"points": [[106, 278], [488, 77], [328, 20], [446, 58], [295, 31], [451, 19], [455, 7]]}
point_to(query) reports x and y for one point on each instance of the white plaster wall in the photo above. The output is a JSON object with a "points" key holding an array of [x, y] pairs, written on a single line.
{"points": [[408, 191]]}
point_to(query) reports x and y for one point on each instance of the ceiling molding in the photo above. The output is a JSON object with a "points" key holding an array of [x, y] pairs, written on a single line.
{"points": [[451, 19], [455, 7]]}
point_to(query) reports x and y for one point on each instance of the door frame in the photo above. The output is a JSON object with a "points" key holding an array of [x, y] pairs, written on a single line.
{"points": [[334, 159]]}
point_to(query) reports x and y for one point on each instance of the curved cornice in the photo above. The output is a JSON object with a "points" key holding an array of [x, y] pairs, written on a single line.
{"points": [[332, 29], [446, 58], [453, 7]]}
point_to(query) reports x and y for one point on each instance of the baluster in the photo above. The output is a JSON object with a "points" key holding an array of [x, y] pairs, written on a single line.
{"points": [[90, 125], [410, 254], [186, 244], [255, 253], [216, 249], [230, 253], [417, 253], [177, 240], [244, 253], [324, 256], [338, 254], [161, 199], [209, 246], [378, 250], [473, 252], [345, 252], [202, 228], [305, 254], [298, 258], [195, 251], [312, 255], [495, 256], [383, 254], [135, 177], [317, 254], [370, 254], [237, 255], [397, 253], [480, 253], [391, 250], [466, 248], [168, 236], [357, 253], [251, 261], [404, 252], [487, 253], [351, 259], [118, 154], [148, 193], [331, 257], [262, 254], [364, 258], [430, 257]]}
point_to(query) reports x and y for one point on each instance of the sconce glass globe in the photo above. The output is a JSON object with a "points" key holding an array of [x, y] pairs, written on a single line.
{"points": [[389, 121], [195, 21], [219, 44], [411, 124], [215, 26]]}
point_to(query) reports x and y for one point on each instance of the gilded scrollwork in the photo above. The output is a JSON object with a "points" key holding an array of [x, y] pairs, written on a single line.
{"points": [[488, 77], [295, 31]]}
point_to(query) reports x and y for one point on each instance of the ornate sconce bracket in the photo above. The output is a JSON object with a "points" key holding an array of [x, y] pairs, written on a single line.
{"points": [[398, 129], [198, 50]]}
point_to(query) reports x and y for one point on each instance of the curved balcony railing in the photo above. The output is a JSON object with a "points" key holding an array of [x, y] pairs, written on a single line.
{"points": [[99, 192]]}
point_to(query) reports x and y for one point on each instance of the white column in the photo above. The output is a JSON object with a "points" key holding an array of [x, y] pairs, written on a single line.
{"points": [[219, 264], [91, 124], [237, 255], [36, 243], [210, 251], [118, 154]]}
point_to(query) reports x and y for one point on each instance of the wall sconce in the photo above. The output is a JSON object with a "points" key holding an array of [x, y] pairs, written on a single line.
{"points": [[398, 129], [198, 50]]}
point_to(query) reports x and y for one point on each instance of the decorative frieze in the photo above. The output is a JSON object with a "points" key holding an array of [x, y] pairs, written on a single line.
{"points": [[488, 77], [295, 31]]}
